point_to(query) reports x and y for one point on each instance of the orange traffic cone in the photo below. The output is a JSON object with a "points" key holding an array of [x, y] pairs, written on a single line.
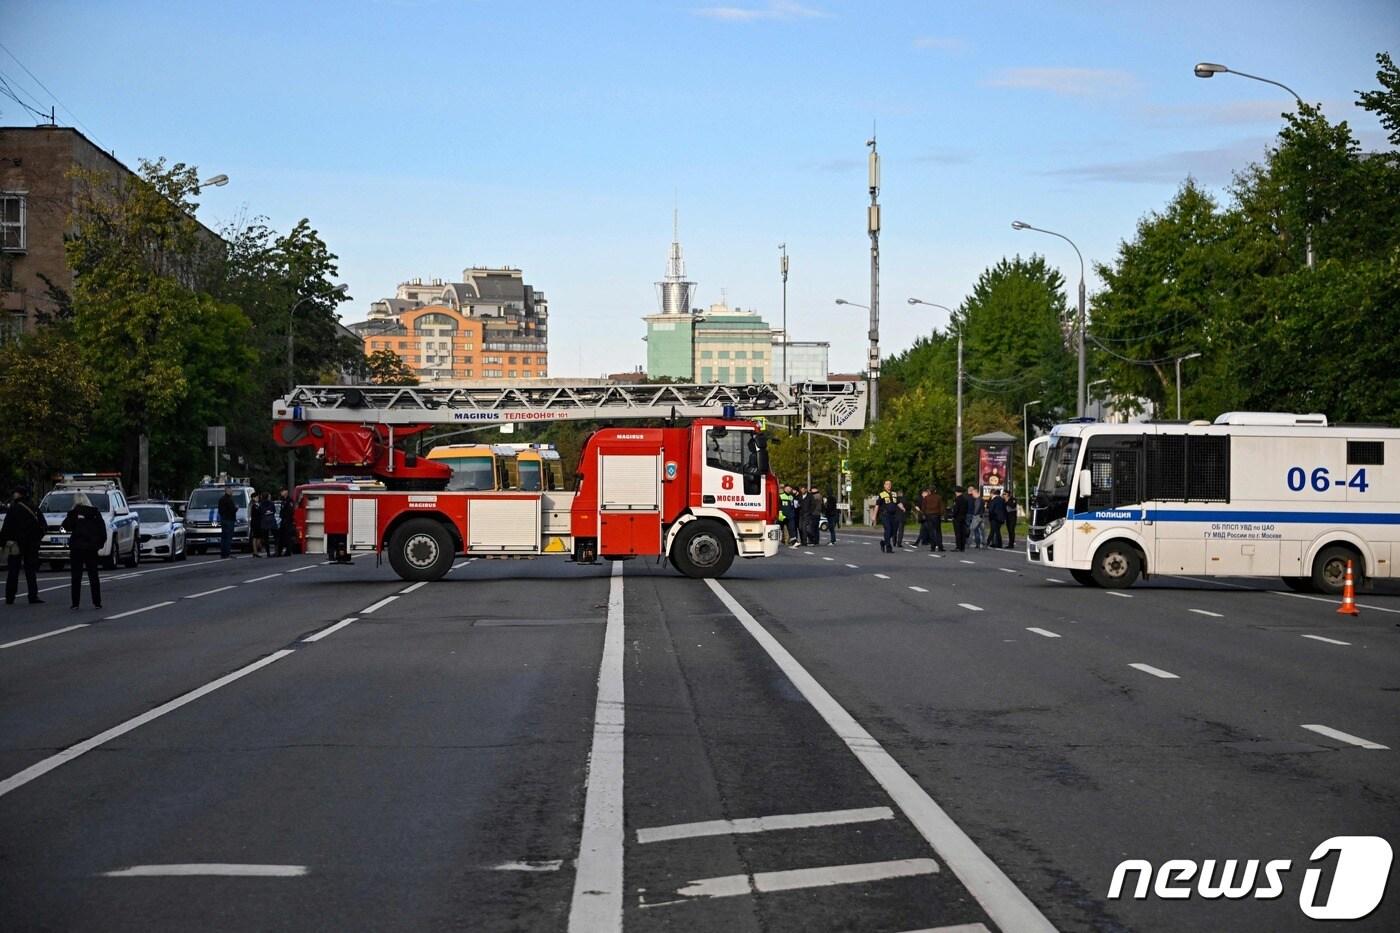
{"points": [[1348, 606]]}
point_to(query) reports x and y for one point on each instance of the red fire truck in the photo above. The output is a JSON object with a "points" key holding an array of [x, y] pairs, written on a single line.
{"points": [[700, 494]]}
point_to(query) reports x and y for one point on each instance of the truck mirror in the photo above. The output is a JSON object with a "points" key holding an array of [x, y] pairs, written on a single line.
{"points": [[1086, 484]]}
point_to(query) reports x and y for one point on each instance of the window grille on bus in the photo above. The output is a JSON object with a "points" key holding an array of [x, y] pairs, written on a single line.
{"points": [[1166, 467], [1207, 468], [1366, 453]]}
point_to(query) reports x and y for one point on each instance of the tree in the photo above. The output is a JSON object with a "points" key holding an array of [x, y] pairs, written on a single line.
{"points": [[1385, 103], [48, 397], [387, 368]]}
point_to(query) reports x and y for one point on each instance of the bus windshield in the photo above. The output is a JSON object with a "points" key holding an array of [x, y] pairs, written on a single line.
{"points": [[471, 474], [530, 475], [1052, 493]]}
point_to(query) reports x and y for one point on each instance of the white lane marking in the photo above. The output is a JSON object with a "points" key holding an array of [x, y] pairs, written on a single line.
{"points": [[1043, 631], [795, 879], [266, 576], [854, 566], [195, 565], [73, 751], [1343, 736], [970, 608], [1007, 570], [1008, 908], [1118, 594], [597, 900], [1206, 612], [300, 569], [211, 592], [967, 561], [216, 869], [59, 631], [330, 629], [918, 589], [412, 587], [763, 824], [1154, 671], [882, 576], [1055, 580], [955, 928], [379, 605], [828, 558], [808, 553], [1325, 599], [553, 864], [1330, 641], [132, 612]]}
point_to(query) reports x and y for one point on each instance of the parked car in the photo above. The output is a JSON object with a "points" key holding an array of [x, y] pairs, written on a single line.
{"points": [[106, 496], [162, 531], [202, 514]]}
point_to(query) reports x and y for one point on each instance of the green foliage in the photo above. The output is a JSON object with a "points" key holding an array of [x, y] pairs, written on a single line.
{"points": [[1385, 102], [387, 368], [48, 403]]}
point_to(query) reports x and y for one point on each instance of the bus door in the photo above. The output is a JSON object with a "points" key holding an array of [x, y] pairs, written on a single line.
{"points": [[1114, 463]]}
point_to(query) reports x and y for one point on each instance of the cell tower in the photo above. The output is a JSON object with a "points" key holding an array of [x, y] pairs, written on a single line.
{"points": [[675, 292]]}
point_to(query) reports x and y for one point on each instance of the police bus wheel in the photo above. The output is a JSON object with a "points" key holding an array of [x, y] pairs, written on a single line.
{"points": [[1083, 577], [1299, 584], [703, 549], [421, 549], [1330, 569], [1116, 565]]}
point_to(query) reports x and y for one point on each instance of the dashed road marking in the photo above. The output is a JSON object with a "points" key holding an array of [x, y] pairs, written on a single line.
{"points": [[918, 589], [828, 558], [412, 587], [1118, 594], [221, 589], [967, 561], [60, 631], [763, 824], [266, 576], [1154, 671], [553, 864], [208, 869], [798, 878], [300, 569], [970, 608], [1206, 612], [1044, 632], [1344, 737], [808, 553], [854, 566], [1008, 570], [882, 576], [330, 629], [1055, 580], [1330, 641], [73, 751], [379, 605], [132, 612]]}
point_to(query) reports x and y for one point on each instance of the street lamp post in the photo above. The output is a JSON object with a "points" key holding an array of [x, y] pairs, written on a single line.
{"points": [[958, 441], [873, 227], [1026, 438], [1179, 361], [783, 265], [1083, 398], [338, 291], [1210, 70]]}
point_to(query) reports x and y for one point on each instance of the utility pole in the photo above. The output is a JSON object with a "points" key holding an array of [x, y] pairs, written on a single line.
{"points": [[873, 225], [787, 377], [957, 479]]}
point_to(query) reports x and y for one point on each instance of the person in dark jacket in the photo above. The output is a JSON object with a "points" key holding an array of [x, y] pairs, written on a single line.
{"points": [[833, 514], [267, 525], [811, 516], [254, 522], [87, 534], [996, 514], [960, 518], [286, 528], [228, 515], [1010, 519], [20, 535], [889, 512], [931, 505]]}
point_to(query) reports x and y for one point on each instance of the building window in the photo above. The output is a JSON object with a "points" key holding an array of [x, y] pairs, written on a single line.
{"points": [[724, 355], [12, 221], [758, 355], [740, 355], [724, 374], [524, 361], [757, 374], [707, 374], [466, 359], [741, 374], [469, 374], [511, 374], [11, 326], [707, 354], [542, 374]]}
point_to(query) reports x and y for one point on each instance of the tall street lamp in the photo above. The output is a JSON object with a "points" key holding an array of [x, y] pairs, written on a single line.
{"points": [[958, 442], [872, 224], [1022, 225], [1179, 361], [337, 292], [1026, 437], [1211, 69], [783, 267], [218, 181]]}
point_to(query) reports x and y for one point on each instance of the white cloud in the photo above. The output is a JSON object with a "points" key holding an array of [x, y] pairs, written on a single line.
{"points": [[1210, 166], [1067, 82], [941, 43], [774, 9]]}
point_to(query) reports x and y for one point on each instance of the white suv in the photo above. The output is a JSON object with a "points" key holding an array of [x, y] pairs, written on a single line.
{"points": [[123, 527]]}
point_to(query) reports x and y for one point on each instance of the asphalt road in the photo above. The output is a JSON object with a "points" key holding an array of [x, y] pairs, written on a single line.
{"points": [[835, 739]]}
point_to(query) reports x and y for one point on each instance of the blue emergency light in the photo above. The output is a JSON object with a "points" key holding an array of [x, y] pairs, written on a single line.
{"points": [[730, 412]]}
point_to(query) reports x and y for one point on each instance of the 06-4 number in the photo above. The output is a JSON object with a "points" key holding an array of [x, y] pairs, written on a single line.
{"points": [[1299, 479]]}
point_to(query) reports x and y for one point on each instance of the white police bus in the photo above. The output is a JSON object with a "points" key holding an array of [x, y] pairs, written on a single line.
{"points": [[1254, 494]]}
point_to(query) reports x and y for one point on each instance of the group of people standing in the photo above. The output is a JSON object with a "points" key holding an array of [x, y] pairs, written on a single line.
{"points": [[976, 518], [800, 512], [270, 525], [23, 531]]}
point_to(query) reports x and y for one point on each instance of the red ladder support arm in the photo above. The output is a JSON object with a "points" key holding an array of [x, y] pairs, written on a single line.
{"points": [[364, 446]]}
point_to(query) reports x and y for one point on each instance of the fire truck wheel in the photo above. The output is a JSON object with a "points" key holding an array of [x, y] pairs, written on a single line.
{"points": [[703, 549], [421, 549]]}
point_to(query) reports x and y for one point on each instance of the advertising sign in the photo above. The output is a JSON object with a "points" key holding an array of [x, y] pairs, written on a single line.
{"points": [[993, 465]]}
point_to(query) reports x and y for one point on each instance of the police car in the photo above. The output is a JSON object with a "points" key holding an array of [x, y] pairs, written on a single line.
{"points": [[202, 530], [104, 491]]}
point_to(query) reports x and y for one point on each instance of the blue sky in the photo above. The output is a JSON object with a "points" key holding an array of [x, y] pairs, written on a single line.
{"points": [[421, 137]]}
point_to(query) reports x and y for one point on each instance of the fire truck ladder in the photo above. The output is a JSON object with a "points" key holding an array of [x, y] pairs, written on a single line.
{"points": [[828, 406]]}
